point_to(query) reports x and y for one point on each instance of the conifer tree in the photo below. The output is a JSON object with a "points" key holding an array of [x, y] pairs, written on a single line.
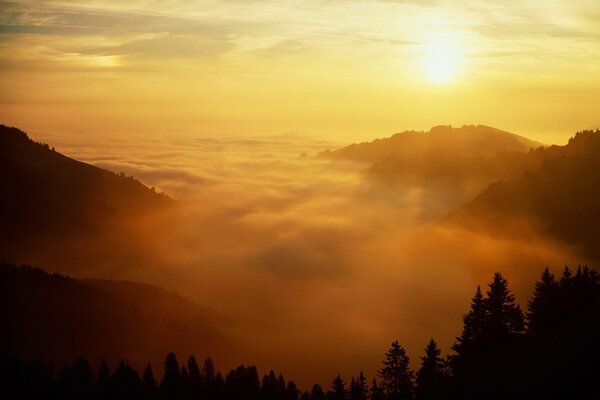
{"points": [[377, 392], [272, 387], [291, 391], [171, 381], [543, 308], [103, 381], [504, 316], [126, 383], [317, 393], [208, 371], [396, 377], [473, 325], [358, 388], [242, 383], [338, 389], [432, 377], [194, 377], [149, 384]]}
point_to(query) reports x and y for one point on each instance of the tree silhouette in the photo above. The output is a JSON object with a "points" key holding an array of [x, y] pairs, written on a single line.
{"points": [[432, 377], [149, 384], [504, 317], [126, 383], [78, 381], [317, 393], [489, 347], [291, 391], [338, 389], [543, 308], [103, 382], [242, 383], [396, 377], [358, 387], [170, 386], [557, 357], [377, 392], [194, 378], [473, 325]]}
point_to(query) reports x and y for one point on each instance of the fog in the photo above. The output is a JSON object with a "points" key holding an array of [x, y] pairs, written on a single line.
{"points": [[314, 267]]}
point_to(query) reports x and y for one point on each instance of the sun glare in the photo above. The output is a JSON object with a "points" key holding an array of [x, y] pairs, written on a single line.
{"points": [[441, 61]]}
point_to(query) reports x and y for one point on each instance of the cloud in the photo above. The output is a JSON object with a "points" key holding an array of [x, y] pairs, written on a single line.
{"points": [[308, 262]]}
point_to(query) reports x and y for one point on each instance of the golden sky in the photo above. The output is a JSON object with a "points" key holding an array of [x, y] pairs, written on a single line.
{"points": [[344, 69]]}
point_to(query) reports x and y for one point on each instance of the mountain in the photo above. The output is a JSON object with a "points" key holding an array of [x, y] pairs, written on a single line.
{"points": [[561, 197], [55, 209], [455, 163], [47, 192], [58, 318], [444, 141]]}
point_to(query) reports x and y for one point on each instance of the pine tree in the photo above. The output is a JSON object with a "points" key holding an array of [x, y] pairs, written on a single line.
{"points": [[317, 393], [149, 383], [505, 318], [358, 388], [431, 378], [488, 353], [377, 392], [208, 371], [272, 387], [126, 383], [543, 308], [291, 391], [171, 382], [242, 383], [194, 377], [473, 325], [396, 377], [103, 381], [338, 389]]}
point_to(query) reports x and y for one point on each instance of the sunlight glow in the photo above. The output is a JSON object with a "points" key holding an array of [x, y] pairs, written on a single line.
{"points": [[441, 61]]}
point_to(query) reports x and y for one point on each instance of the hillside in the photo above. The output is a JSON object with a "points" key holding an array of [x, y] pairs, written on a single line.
{"points": [[65, 214], [561, 197], [58, 318], [466, 141], [47, 192], [457, 163]]}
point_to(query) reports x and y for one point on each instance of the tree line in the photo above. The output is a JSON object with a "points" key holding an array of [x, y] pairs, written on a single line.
{"points": [[550, 351]]}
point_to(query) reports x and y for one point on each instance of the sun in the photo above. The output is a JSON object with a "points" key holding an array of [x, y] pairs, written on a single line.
{"points": [[441, 61]]}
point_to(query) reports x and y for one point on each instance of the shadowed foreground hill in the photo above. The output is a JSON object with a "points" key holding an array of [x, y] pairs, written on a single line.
{"points": [[63, 213], [560, 198], [47, 192], [58, 318]]}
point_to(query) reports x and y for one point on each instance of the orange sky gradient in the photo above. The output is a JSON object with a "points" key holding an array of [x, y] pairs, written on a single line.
{"points": [[348, 70]]}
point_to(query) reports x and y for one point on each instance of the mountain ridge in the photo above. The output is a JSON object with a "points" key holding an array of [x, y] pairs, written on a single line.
{"points": [[560, 197], [58, 317]]}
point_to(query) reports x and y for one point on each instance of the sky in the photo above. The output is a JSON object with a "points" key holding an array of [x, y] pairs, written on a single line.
{"points": [[347, 70]]}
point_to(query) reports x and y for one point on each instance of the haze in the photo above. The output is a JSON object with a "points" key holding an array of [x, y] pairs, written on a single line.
{"points": [[303, 259]]}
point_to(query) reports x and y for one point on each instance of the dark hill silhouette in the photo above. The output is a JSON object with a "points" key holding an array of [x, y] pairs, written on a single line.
{"points": [[56, 317], [47, 192], [561, 197], [63, 213]]}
